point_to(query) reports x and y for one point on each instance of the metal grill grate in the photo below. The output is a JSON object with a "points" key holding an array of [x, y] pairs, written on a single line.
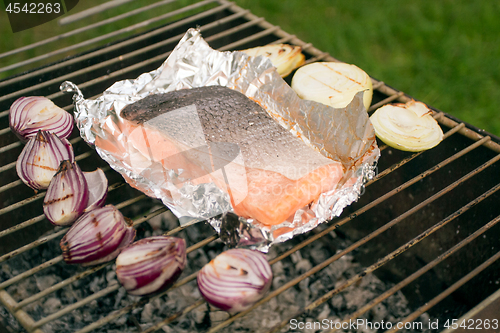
{"points": [[426, 217]]}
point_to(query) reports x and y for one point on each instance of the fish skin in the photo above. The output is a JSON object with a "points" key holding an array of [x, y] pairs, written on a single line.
{"points": [[271, 172], [229, 116]]}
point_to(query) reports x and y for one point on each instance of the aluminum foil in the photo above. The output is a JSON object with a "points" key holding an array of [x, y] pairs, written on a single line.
{"points": [[345, 135]]}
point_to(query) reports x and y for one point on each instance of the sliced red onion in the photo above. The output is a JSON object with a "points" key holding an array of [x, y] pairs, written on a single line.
{"points": [[97, 236], [151, 264], [41, 157], [98, 189], [235, 279], [28, 115], [67, 194]]}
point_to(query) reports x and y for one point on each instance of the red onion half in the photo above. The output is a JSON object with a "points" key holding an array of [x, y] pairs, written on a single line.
{"points": [[67, 195], [97, 236], [28, 115], [41, 157], [235, 279], [151, 264]]}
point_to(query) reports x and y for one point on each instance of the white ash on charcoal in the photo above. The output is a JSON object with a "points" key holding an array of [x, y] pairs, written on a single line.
{"points": [[156, 309]]}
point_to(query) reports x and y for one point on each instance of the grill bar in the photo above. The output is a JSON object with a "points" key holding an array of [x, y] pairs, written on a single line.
{"points": [[27, 247], [20, 315], [22, 203], [83, 274], [61, 284], [4, 131], [57, 286], [268, 31], [393, 95], [411, 157], [46, 239], [90, 41], [18, 144], [9, 147], [42, 217], [451, 289], [142, 64], [38, 218], [118, 46], [30, 272], [89, 56], [429, 266], [19, 182], [143, 301], [386, 101], [340, 223], [74, 306], [89, 27], [249, 39], [21, 226], [91, 11]]}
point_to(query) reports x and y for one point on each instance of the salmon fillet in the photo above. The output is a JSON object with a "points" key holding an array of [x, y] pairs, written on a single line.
{"points": [[216, 134]]}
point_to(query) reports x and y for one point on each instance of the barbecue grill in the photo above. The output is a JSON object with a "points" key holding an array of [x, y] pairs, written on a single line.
{"points": [[426, 225]]}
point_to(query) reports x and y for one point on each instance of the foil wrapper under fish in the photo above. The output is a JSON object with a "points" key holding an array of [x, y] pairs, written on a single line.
{"points": [[344, 135]]}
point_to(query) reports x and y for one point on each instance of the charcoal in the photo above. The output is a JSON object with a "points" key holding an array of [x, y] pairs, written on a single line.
{"points": [[45, 281], [218, 316], [199, 314], [325, 313], [52, 305], [338, 302], [147, 313]]}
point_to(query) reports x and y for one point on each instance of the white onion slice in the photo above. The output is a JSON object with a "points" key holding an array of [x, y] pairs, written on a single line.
{"points": [[332, 83], [97, 187], [408, 127], [284, 57], [235, 279], [28, 115]]}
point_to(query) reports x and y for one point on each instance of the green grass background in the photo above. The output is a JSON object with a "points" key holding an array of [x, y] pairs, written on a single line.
{"points": [[444, 52]]}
